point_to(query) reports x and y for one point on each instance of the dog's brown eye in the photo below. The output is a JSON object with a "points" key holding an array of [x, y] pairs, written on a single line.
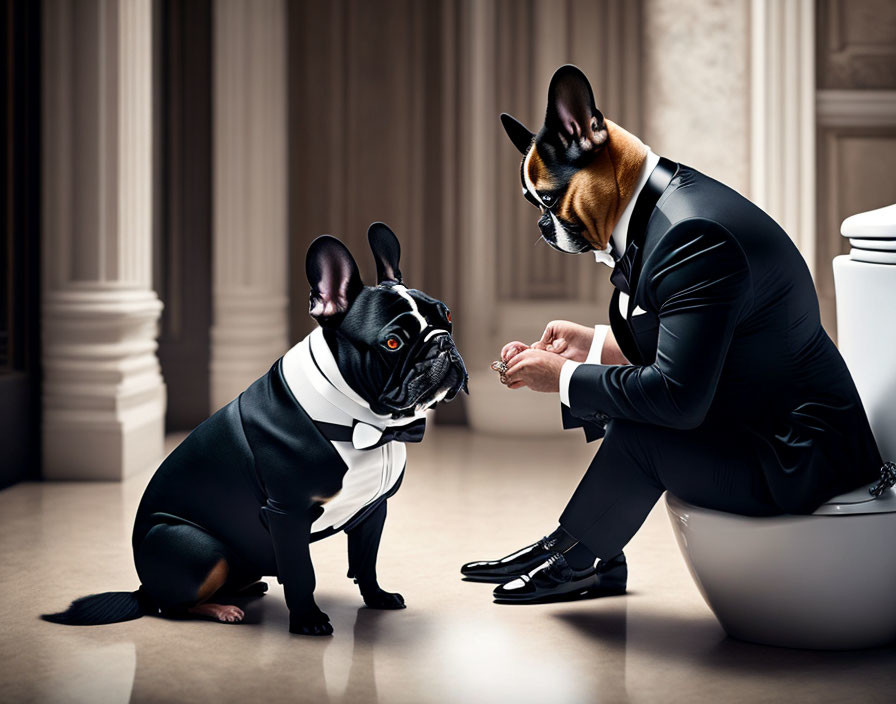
{"points": [[448, 315], [393, 342]]}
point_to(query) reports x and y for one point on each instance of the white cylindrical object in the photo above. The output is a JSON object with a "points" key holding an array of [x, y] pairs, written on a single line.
{"points": [[822, 582], [866, 334]]}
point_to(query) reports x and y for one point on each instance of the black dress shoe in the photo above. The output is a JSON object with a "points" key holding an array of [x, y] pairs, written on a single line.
{"points": [[515, 564], [612, 575], [555, 580]]}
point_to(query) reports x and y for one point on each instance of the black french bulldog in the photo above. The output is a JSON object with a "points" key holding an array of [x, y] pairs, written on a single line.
{"points": [[311, 448]]}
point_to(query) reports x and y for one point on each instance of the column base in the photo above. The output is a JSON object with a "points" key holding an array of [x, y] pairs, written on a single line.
{"points": [[104, 398], [109, 451]]}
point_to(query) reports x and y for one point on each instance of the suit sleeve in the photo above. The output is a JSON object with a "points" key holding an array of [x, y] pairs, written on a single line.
{"points": [[699, 281]]}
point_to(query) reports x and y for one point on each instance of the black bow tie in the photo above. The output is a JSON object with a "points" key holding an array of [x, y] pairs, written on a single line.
{"points": [[622, 271], [657, 182], [367, 437]]}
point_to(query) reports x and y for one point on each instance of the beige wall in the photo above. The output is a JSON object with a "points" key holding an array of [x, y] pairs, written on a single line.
{"points": [[696, 85]]}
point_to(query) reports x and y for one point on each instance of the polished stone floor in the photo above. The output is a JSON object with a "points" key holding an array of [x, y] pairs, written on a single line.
{"points": [[464, 497]]}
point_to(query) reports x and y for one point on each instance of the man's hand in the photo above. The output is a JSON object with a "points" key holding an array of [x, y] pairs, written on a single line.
{"points": [[569, 340], [537, 369]]}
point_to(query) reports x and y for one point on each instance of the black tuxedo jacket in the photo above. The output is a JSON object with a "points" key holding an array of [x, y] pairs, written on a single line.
{"points": [[731, 337]]}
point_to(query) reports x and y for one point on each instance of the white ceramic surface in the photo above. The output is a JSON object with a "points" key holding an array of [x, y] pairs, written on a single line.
{"points": [[859, 501], [886, 245], [873, 256], [873, 223], [866, 336], [818, 582]]}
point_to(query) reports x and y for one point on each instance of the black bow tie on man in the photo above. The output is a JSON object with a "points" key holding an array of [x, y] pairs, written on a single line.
{"points": [[622, 271]]}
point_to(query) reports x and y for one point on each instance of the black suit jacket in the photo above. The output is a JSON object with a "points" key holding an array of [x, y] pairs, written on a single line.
{"points": [[731, 337]]}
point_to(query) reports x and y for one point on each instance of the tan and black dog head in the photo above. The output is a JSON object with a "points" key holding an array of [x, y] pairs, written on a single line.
{"points": [[580, 169]]}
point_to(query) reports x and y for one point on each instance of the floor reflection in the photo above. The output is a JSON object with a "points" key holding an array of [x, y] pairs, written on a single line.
{"points": [[464, 497], [85, 671], [361, 684], [698, 658]]}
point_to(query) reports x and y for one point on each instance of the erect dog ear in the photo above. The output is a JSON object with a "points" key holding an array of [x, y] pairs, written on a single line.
{"points": [[386, 252], [516, 130], [572, 116], [334, 278]]}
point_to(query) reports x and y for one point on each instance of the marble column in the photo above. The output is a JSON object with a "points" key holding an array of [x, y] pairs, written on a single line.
{"points": [[782, 117], [249, 241], [103, 394]]}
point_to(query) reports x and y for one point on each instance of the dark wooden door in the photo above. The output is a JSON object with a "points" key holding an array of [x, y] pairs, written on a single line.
{"points": [[20, 245]]}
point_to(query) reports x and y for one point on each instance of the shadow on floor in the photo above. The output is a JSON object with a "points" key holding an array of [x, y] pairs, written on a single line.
{"points": [[679, 639]]}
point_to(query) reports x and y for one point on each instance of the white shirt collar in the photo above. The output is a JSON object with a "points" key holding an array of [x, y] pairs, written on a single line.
{"points": [[619, 237], [313, 376]]}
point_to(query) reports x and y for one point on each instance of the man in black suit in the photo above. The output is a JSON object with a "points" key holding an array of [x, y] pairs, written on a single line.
{"points": [[716, 380]]}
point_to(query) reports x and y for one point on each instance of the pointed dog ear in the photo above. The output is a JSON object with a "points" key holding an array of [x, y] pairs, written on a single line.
{"points": [[334, 278], [386, 252], [572, 117], [516, 130]]}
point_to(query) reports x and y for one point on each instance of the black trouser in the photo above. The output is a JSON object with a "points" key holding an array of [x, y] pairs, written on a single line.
{"points": [[636, 463]]}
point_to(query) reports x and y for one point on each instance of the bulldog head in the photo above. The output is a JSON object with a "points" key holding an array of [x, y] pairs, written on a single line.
{"points": [[580, 170], [392, 344]]}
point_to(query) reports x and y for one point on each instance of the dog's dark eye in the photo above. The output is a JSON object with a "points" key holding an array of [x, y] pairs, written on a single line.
{"points": [[393, 342], [547, 198]]}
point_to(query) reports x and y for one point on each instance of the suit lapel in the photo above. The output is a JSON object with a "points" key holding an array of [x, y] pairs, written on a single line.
{"points": [[637, 335], [645, 207]]}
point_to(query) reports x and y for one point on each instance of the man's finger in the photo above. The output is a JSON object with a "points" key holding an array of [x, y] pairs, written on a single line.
{"points": [[511, 349], [515, 363], [558, 346], [548, 335], [515, 384]]}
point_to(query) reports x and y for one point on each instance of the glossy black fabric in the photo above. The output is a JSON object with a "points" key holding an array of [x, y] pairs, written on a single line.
{"points": [[240, 486], [731, 339]]}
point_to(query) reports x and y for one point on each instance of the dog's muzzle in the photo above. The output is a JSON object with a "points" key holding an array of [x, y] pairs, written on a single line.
{"points": [[546, 225], [435, 373], [570, 239]]}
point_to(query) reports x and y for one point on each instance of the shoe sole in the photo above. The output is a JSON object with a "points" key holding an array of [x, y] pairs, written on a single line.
{"points": [[488, 579], [574, 595]]}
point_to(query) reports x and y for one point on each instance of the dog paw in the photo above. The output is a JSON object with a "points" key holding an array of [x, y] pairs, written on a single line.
{"points": [[320, 629], [226, 613], [382, 599], [310, 624]]}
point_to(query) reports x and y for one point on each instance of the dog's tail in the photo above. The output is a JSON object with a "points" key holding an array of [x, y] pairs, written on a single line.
{"points": [[108, 607]]}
